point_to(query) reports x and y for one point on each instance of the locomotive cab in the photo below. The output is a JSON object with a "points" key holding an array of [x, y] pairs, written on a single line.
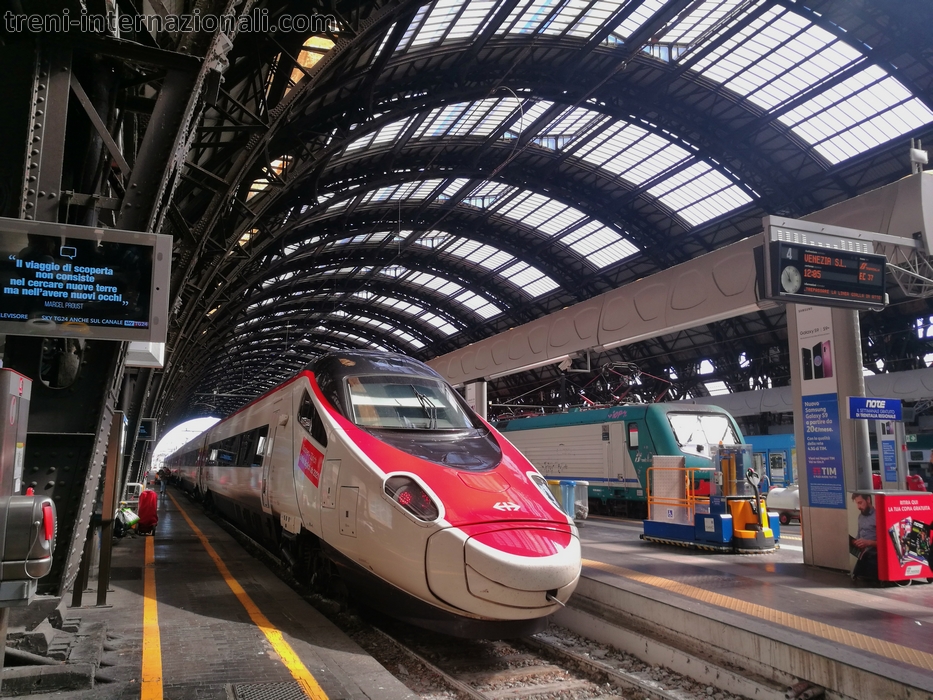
{"points": [[443, 508]]}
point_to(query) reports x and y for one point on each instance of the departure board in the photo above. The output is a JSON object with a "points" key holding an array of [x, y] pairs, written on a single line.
{"points": [[831, 277]]}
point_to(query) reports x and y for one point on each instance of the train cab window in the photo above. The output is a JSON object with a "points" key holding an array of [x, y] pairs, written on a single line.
{"points": [[311, 421], [633, 436], [405, 403], [694, 431]]}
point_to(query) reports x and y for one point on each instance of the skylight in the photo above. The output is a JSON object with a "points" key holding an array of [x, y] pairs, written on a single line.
{"points": [[781, 56], [716, 388], [623, 149]]}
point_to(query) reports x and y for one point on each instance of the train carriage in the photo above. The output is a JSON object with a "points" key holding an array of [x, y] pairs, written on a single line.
{"points": [[371, 465]]}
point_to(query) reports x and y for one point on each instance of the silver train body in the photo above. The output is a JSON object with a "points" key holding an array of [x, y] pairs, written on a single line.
{"points": [[368, 469]]}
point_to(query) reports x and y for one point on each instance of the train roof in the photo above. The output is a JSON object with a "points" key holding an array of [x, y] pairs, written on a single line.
{"points": [[600, 415], [356, 362]]}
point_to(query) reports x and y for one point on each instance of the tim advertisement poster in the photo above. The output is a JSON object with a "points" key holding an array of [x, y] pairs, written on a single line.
{"points": [[905, 527]]}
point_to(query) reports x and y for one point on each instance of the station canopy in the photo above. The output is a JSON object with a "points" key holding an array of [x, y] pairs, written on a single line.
{"points": [[447, 170]]}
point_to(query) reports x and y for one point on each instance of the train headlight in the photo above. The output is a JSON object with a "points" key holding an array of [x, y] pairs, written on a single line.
{"points": [[408, 493]]}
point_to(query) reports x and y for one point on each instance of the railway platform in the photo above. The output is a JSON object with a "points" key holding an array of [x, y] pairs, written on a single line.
{"points": [[191, 615], [755, 625]]}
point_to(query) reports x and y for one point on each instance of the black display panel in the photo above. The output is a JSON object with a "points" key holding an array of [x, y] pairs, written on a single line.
{"points": [[811, 274], [76, 281]]}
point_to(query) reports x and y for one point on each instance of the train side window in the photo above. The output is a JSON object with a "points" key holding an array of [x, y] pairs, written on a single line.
{"points": [[247, 448], [311, 421], [224, 453], [261, 434], [633, 436]]}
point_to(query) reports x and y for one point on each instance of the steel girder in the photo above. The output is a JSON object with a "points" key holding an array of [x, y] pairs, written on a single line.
{"points": [[789, 177]]}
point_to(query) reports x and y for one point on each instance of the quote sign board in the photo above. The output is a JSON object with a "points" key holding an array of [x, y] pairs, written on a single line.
{"points": [[147, 430], [77, 281]]}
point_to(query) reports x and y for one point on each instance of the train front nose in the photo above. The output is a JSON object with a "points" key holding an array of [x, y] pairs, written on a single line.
{"points": [[506, 571]]}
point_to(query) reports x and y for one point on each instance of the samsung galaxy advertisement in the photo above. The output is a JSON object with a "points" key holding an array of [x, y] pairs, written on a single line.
{"points": [[821, 429]]}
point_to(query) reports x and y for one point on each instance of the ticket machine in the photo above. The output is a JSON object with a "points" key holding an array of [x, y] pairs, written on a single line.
{"points": [[28, 522]]}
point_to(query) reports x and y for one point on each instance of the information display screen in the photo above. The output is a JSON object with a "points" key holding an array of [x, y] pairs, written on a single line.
{"points": [[821, 275], [77, 281]]}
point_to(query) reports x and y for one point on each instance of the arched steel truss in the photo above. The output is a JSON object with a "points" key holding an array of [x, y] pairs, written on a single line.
{"points": [[287, 228]]}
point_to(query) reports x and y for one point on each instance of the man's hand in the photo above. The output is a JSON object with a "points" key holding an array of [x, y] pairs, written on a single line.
{"points": [[864, 544]]}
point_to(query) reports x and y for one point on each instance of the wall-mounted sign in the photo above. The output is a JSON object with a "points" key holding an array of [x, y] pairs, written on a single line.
{"points": [[147, 430], [874, 409], [76, 281]]}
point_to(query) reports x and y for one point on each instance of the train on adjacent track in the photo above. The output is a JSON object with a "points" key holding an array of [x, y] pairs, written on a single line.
{"points": [[368, 469], [613, 448]]}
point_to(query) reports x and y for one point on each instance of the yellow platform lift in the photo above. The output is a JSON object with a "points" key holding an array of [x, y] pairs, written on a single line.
{"points": [[732, 518]]}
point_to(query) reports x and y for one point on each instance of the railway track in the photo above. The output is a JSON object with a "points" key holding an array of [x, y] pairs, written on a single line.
{"points": [[532, 668], [550, 666]]}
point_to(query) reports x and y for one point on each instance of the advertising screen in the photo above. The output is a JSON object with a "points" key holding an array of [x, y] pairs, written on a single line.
{"points": [[77, 281]]}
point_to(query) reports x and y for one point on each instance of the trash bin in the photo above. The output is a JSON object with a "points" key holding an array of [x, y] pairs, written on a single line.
{"points": [[581, 501], [554, 485], [567, 488]]}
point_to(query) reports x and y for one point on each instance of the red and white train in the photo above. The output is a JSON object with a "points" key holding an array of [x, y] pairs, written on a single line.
{"points": [[369, 465]]}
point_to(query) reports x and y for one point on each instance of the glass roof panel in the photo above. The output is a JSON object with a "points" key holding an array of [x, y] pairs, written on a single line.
{"points": [[420, 189], [360, 340], [570, 122], [437, 23], [566, 16], [868, 109], [413, 27], [599, 244], [478, 304], [385, 39], [699, 193], [701, 20], [641, 14], [591, 20], [529, 279], [472, 20]]}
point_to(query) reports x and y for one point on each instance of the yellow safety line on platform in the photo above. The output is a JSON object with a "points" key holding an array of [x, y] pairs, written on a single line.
{"points": [[151, 678], [298, 670], [881, 647]]}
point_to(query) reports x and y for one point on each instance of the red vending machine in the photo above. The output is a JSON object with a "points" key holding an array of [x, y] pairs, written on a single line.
{"points": [[904, 528]]}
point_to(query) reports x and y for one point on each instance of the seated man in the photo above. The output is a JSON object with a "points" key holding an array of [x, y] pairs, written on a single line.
{"points": [[866, 541]]}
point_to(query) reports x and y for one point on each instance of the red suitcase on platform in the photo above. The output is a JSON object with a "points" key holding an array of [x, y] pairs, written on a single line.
{"points": [[148, 518]]}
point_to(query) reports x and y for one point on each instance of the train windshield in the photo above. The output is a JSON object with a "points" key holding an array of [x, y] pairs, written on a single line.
{"points": [[405, 403], [692, 430]]}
